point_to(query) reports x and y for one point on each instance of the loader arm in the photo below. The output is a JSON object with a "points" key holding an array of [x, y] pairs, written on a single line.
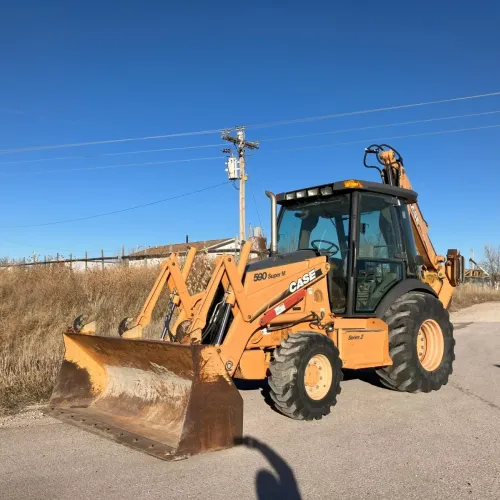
{"points": [[170, 275], [442, 273]]}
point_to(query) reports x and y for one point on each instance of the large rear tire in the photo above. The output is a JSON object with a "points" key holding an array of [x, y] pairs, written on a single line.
{"points": [[421, 344], [305, 376]]}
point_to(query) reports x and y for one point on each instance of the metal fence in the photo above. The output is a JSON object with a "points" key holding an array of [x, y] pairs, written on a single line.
{"points": [[101, 262]]}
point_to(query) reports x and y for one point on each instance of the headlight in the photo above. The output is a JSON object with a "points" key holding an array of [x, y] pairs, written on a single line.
{"points": [[327, 190]]}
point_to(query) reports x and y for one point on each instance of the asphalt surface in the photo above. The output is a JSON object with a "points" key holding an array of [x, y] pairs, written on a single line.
{"points": [[376, 444]]}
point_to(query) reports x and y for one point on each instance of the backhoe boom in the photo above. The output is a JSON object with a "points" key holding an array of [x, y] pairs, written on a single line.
{"points": [[442, 273]]}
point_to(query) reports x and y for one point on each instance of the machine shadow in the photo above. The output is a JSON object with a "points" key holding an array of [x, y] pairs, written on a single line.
{"points": [[250, 385], [253, 385], [278, 483], [366, 375]]}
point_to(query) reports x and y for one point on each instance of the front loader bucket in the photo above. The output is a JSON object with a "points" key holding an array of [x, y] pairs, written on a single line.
{"points": [[168, 400]]}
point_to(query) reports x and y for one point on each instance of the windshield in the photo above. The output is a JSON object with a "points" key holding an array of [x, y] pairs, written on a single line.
{"points": [[318, 225]]}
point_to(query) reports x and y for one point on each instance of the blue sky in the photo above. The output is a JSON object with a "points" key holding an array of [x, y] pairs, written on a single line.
{"points": [[90, 71]]}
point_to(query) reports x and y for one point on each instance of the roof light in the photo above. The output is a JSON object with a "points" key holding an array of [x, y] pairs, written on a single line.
{"points": [[327, 190], [290, 196], [352, 184], [301, 194], [312, 192]]}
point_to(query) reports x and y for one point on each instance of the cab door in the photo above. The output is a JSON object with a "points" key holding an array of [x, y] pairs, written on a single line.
{"points": [[379, 259]]}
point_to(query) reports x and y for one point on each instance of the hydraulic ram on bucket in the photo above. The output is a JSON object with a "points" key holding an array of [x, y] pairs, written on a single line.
{"points": [[168, 400]]}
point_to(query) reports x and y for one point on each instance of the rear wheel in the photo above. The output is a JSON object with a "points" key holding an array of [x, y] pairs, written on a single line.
{"points": [[305, 376], [421, 344]]}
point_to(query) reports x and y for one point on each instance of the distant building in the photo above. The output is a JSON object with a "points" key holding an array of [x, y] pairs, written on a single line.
{"points": [[211, 248]]}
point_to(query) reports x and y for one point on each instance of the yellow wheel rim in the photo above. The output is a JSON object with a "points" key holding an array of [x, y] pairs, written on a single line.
{"points": [[318, 377], [430, 345]]}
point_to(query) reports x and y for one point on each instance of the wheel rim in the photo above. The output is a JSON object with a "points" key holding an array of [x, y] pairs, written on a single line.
{"points": [[430, 345], [318, 377]]}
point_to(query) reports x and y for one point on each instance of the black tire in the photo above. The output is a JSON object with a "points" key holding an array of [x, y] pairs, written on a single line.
{"points": [[404, 318], [287, 386]]}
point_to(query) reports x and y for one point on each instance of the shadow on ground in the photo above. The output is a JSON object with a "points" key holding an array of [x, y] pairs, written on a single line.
{"points": [[367, 375], [278, 483], [253, 385], [458, 326]]}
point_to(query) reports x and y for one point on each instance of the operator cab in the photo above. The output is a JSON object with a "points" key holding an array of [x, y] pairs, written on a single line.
{"points": [[364, 230]]}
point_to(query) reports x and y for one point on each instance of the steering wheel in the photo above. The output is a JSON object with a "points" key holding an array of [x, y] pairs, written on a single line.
{"points": [[328, 249]]}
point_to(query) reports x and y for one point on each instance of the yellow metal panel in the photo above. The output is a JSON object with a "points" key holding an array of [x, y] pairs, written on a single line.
{"points": [[253, 365], [366, 347]]}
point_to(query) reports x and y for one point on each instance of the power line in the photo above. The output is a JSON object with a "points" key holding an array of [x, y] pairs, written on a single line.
{"points": [[78, 157], [38, 247], [135, 207], [260, 125], [372, 110], [428, 120], [383, 138], [111, 141], [255, 201], [187, 160], [256, 207], [122, 165], [272, 139]]}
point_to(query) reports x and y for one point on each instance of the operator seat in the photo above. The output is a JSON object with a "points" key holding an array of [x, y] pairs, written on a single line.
{"points": [[337, 284]]}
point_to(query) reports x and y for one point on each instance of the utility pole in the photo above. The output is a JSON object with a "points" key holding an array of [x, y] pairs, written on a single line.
{"points": [[236, 168]]}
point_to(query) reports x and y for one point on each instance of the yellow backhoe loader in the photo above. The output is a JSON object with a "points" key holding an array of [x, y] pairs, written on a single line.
{"points": [[351, 281]]}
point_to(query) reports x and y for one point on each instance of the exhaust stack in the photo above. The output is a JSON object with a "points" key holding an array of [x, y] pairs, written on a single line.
{"points": [[274, 218]]}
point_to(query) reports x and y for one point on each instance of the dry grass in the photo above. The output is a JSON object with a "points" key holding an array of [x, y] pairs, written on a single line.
{"points": [[37, 305], [468, 295]]}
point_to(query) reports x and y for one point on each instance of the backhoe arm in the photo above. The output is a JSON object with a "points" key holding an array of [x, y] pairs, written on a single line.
{"points": [[442, 273], [432, 260]]}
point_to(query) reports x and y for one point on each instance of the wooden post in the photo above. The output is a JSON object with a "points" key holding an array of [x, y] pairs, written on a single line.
{"points": [[86, 263], [34, 257], [44, 261], [123, 256], [70, 261], [102, 259]]}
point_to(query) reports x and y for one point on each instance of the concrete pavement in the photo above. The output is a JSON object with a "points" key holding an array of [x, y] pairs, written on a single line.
{"points": [[376, 444]]}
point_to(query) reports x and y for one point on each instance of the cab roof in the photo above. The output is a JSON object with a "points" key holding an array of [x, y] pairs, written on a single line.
{"points": [[326, 190]]}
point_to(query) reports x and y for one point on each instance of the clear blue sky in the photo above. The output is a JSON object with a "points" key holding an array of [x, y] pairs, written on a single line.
{"points": [[89, 71]]}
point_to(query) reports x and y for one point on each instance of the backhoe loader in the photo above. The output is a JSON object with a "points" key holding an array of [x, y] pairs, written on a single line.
{"points": [[351, 281]]}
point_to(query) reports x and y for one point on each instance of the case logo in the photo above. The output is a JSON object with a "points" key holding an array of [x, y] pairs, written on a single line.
{"points": [[304, 280]]}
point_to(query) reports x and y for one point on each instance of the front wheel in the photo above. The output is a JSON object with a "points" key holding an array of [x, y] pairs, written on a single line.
{"points": [[305, 376], [421, 344]]}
